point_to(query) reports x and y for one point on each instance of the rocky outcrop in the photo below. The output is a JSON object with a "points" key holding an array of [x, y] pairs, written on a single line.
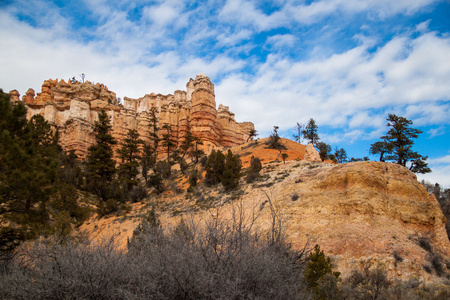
{"points": [[73, 108], [362, 213], [311, 153]]}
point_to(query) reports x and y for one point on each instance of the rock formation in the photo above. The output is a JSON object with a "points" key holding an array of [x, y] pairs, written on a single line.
{"points": [[360, 213], [73, 108]]}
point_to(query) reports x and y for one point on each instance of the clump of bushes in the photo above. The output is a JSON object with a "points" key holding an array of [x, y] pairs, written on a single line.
{"points": [[218, 259], [223, 169]]}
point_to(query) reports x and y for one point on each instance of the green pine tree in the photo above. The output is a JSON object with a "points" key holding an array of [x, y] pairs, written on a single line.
{"points": [[28, 166], [154, 131], [215, 166], [397, 144], [310, 132], [167, 140], [232, 171], [101, 167], [317, 267], [130, 155], [147, 160]]}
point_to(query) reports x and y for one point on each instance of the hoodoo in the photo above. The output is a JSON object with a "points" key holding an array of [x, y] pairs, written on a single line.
{"points": [[73, 107]]}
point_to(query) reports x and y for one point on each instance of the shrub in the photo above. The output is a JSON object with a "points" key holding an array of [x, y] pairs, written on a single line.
{"points": [[369, 284], [253, 170], [398, 258], [155, 180], [218, 259], [138, 193], [193, 179], [294, 197], [424, 242], [203, 160], [437, 262], [163, 167], [107, 207]]}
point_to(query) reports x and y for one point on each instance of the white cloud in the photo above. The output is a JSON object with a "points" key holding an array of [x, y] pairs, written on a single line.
{"points": [[281, 41], [436, 131], [246, 13], [230, 39], [440, 160], [317, 10], [343, 88], [440, 174], [352, 88]]}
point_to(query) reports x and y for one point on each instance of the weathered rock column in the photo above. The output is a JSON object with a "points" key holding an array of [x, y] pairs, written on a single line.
{"points": [[203, 111]]}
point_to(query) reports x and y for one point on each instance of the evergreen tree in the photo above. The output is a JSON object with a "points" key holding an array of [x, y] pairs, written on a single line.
{"points": [[154, 131], [28, 166], [251, 134], [381, 148], [101, 167], [324, 150], [253, 170], [317, 267], [188, 143], [147, 160], [232, 171], [70, 170], [161, 170], [215, 166], [284, 156], [167, 140], [196, 152], [275, 140], [340, 155], [310, 132], [398, 142], [130, 154]]}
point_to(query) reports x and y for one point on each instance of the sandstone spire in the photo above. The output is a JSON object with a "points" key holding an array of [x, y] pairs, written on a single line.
{"points": [[73, 109]]}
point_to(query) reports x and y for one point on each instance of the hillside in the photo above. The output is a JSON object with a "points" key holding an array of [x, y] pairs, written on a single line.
{"points": [[359, 213]]}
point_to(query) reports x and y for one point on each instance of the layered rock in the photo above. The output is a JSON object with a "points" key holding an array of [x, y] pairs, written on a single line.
{"points": [[360, 213], [204, 122], [363, 213], [73, 108]]}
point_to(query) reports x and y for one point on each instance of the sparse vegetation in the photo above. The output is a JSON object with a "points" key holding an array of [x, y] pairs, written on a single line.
{"points": [[207, 261], [223, 258]]}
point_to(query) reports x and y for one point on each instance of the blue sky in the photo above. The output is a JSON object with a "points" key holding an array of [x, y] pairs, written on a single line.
{"points": [[345, 63]]}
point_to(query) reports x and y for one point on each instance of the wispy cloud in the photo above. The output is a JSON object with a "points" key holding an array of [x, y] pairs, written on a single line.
{"points": [[440, 173], [344, 63]]}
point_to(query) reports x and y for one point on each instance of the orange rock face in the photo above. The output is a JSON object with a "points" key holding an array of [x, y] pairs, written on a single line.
{"points": [[360, 213], [14, 95], [73, 108]]}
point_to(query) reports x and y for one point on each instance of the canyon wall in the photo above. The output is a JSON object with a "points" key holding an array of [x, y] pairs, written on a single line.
{"points": [[73, 108]]}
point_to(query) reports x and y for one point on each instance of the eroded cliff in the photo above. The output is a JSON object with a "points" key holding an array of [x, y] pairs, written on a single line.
{"points": [[73, 108]]}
